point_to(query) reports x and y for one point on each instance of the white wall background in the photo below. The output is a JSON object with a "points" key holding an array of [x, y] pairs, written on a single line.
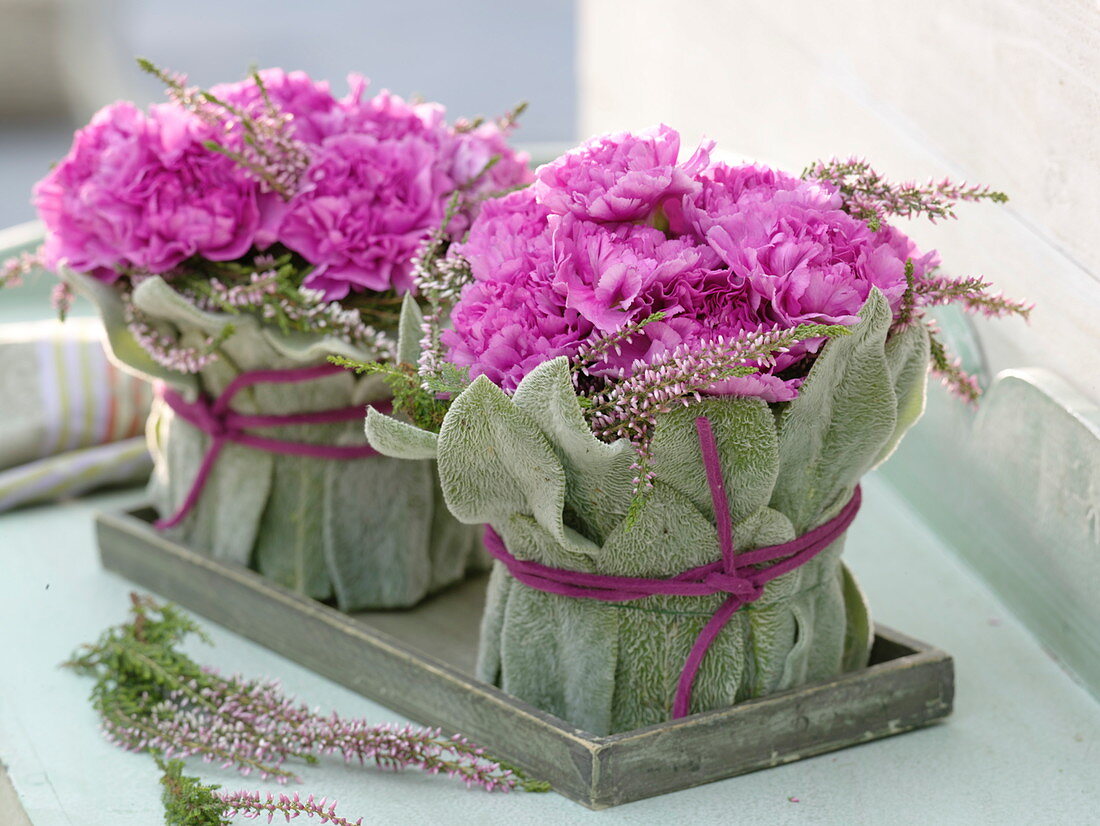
{"points": [[1005, 92]]}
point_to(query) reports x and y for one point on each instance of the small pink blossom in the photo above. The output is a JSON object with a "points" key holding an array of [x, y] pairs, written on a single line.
{"points": [[620, 177]]}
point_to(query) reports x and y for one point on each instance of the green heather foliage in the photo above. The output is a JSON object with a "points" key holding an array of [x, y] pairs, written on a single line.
{"points": [[530, 466], [187, 800]]}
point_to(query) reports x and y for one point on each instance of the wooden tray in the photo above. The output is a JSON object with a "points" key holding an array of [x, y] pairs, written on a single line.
{"points": [[419, 662]]}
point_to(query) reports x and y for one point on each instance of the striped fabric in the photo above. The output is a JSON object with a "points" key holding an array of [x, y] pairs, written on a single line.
{"points": [[76, 472], [69, 420]]}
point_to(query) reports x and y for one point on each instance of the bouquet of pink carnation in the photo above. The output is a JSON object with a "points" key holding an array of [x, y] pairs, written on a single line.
{"points": [[235, 238], [681, 368]]}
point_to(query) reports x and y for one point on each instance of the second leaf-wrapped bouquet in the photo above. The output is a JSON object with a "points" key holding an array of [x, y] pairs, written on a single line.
{"points": [[234, 239], [680, 372]]}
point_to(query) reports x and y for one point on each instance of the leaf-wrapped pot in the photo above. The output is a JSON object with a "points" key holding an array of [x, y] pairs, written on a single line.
{"points": [[369, 532], [529, 466]]}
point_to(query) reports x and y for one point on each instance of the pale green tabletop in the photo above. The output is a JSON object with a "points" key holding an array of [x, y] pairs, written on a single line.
{"points": [[1022, 747]]}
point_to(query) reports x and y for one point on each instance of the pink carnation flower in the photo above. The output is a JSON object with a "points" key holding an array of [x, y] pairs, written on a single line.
{"points": [[805, 259], [379, 183], [621, 177], [366, 206], [140, 191], [511, 318], [580, 255]]}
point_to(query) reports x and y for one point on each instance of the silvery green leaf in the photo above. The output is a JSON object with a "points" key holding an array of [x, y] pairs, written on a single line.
{"points": [[832, 433], [860, 633], [495, 462], [599, 478], [122, 347], [378, 555], [668, 536], [748, 449], [409, 331], [907, 359], [492, 624], [401, 440], [575, 640]]}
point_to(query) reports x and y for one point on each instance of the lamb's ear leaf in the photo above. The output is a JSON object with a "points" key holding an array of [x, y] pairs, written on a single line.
{"points": [[599, 476], [744, 430], [845, 412], [155, 297], [409, 331], [495, 462], [393, 437], [907, 355], [860, 633], [123, 348]]}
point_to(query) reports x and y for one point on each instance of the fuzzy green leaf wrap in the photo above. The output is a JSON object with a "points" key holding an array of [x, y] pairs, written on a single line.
{"points": [[366, 533], [530, 466]]}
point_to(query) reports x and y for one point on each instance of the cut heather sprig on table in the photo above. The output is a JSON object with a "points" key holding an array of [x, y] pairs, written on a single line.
{"points": [[150, 696], [190, 802]]}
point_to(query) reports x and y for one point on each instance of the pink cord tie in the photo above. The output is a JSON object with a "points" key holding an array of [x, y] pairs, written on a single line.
{"points": [[225, 425], [734, 574]]}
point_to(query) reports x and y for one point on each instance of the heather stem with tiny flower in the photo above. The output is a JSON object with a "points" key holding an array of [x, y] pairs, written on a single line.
{"points": [[14, 270], [628, 406], [152, 697], [868, 195], [252, 805], [270, 153]]}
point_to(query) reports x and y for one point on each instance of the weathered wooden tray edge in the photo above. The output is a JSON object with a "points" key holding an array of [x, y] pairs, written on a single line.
{"points": [[888, 698]]}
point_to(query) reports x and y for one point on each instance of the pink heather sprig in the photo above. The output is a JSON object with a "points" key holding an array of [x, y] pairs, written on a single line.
{"points": [[61, 299], [594, 351], [14, 270], [254, 727], [166, 350], [153, 698], [869, 196], [505, 123], [972, 294], [270, 296], [251, 805], [439, 279], [269, 152], [190, 802], [451, 274], [628, 406], [950, 372]]}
